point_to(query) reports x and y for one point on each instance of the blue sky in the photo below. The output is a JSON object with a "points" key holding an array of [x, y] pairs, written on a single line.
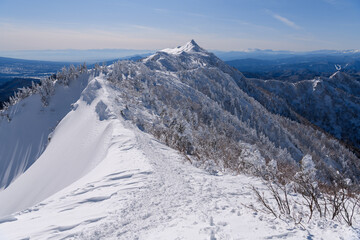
{"points": [[222, 25]]}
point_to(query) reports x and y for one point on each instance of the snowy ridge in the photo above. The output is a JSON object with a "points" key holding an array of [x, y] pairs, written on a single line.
{"points": [[103, 176], [144, 190]]}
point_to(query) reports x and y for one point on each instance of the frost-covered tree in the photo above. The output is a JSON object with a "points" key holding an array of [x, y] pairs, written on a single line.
{"points": [[46, 90]]}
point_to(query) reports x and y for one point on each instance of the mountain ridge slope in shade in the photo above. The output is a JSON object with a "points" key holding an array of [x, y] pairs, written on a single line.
{"points": [[332, 104]]}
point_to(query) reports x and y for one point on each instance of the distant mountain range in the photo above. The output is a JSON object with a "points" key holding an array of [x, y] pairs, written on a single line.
{"points": [[272, 54], [100, 55], [295, 66], [74, 55]]}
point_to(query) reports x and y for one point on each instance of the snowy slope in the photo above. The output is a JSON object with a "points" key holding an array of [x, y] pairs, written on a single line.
{"points": [[78, 144], [102, 177], [33, 122]]}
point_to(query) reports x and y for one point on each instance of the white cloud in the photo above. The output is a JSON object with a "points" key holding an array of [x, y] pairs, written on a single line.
{"points": [[285, 21]]}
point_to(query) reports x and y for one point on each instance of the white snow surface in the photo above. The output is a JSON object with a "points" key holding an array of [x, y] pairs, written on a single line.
{"points": [[100, 177]]}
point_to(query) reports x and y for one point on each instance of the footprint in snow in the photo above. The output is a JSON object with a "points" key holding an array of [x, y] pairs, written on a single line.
{"points": [[65, 228], [7, 219], [96, 199]]}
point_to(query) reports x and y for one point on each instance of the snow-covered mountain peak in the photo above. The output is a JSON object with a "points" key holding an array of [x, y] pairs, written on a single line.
{"points": [[187, 57], [191, 46]]}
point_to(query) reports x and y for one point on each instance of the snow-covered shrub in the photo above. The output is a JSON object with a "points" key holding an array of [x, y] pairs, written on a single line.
{"points": [[63, 76], [302, 195], [250, 159]]}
